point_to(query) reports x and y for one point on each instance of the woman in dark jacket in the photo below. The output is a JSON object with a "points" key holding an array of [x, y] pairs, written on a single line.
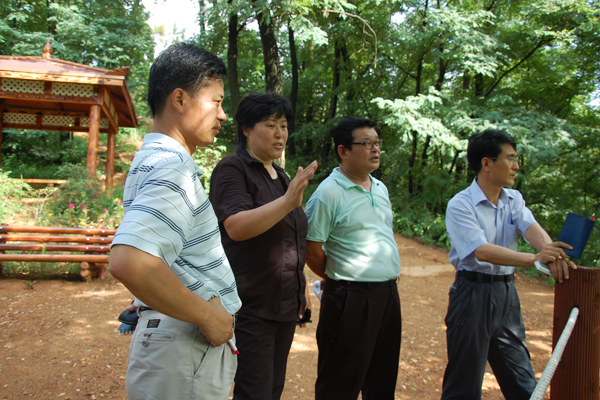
{"points": [[263, 230]]}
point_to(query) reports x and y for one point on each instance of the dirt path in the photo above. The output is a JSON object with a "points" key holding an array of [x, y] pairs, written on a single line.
{"points": [[58, 339]]}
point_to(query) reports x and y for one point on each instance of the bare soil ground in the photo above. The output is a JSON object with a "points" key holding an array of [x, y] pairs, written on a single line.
{"points": [[58, 338]]}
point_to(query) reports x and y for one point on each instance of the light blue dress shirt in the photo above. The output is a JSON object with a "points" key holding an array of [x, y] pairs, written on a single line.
{"points": [[472, 220]]}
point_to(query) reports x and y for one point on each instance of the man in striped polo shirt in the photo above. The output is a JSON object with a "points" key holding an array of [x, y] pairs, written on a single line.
{"points": [[168, 250]]}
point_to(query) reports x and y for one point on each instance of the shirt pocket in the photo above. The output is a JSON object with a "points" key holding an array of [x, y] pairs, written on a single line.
{"points": [[510, 237]]}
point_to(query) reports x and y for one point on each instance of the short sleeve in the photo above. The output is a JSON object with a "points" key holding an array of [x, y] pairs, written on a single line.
{"points": [[521, 215], [159, 218], [463, 229], [320, 218], [228, 189]]}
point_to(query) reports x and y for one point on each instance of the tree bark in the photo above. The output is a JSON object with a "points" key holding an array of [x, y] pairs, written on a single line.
{"points": [[419, 75], [51, 25], [232, 53], [268, 40], [466, 81], [411, 162], [332, 102], [294, 92], [478, 85]]}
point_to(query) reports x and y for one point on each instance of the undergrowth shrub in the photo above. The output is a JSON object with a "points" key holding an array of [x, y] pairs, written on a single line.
{"points": [[82, 202], [11, 194]]}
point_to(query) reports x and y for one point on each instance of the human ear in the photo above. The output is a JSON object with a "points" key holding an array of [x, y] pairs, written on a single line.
{"points": [[178, 98], [342, 151], [485, 163]]}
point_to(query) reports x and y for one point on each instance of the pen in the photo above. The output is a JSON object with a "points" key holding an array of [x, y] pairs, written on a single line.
{"points": [[234, 349], [593, 215]]}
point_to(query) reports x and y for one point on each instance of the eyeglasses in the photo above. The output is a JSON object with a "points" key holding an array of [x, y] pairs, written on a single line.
{"points": [[370, 143], [512, 159]]}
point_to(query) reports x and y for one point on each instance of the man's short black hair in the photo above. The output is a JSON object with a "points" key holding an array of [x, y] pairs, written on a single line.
{"points": [[487, 144], [257, 107], [343, 132], [181, 65]]}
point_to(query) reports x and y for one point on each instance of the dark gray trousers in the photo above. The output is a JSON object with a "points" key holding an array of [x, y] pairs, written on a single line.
{"points": [[484, 323]]}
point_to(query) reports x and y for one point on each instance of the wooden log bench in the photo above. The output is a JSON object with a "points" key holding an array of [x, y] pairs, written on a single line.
{"points": [[40, 183], [16, 243]]}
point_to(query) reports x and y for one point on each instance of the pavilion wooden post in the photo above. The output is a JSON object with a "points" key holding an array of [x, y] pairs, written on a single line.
{"points": [[110, 159], [576, 376], [1, 117], [92, 154]]}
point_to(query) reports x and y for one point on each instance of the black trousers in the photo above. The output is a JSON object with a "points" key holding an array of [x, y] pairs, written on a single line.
{"points": [[264, 346], [484, 323], [358, 335]]}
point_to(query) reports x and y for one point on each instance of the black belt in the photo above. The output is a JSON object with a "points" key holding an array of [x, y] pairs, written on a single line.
{"points": [[390, 283], [480, 277], [144, 308]]}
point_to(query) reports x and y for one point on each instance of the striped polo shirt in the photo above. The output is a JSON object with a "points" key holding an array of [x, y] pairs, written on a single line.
{"points": [[168, 215]]}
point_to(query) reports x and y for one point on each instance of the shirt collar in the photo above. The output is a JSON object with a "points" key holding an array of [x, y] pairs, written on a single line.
{"points": [[163, 140], [477, 195], [344, 182]]}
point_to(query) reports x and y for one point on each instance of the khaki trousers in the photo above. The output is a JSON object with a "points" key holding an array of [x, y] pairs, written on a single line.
{"points": [[171, 359]]}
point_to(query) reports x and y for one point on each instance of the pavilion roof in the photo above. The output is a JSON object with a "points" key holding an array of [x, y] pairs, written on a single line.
{"points": [[50, 86]]}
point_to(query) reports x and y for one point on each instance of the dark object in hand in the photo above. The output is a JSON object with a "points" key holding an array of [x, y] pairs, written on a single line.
{"points": [[128, 321], [305, 317]]}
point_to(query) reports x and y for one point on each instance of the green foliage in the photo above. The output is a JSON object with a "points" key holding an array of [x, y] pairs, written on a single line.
{"points": [[39, 154], [414, 220], [42, 270], [82, 202], [207, 159], [11, 194], [430, 73]]}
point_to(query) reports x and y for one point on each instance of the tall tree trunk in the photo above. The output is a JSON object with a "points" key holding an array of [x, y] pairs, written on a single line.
{"points": [[294, 93], [268, 40], [202, 18], [347, 72], [466, 81], [442, 73], [419, 76], [478, 85], [411, 162], [51, 24], [332, 102], [232, 53]]}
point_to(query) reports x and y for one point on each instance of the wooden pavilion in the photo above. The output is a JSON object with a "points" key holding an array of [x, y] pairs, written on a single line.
{"points": [[45, 93]]}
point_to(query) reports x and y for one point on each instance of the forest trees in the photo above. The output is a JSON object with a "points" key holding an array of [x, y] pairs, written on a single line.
{"points": [[432, 73], [103, 33]]}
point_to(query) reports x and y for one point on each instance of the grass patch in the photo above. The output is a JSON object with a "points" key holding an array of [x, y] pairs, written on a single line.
{"points": [[42, 270]]}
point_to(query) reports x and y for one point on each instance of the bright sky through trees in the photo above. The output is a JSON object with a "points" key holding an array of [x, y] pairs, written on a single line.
{"points": [[177, 17]]}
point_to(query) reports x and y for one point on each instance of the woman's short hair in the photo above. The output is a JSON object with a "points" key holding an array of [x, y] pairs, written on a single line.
{"points": [[257, 107]]}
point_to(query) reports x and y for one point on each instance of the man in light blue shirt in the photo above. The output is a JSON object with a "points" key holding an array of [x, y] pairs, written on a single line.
{"points": [[350, 243], [484, 319]]}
